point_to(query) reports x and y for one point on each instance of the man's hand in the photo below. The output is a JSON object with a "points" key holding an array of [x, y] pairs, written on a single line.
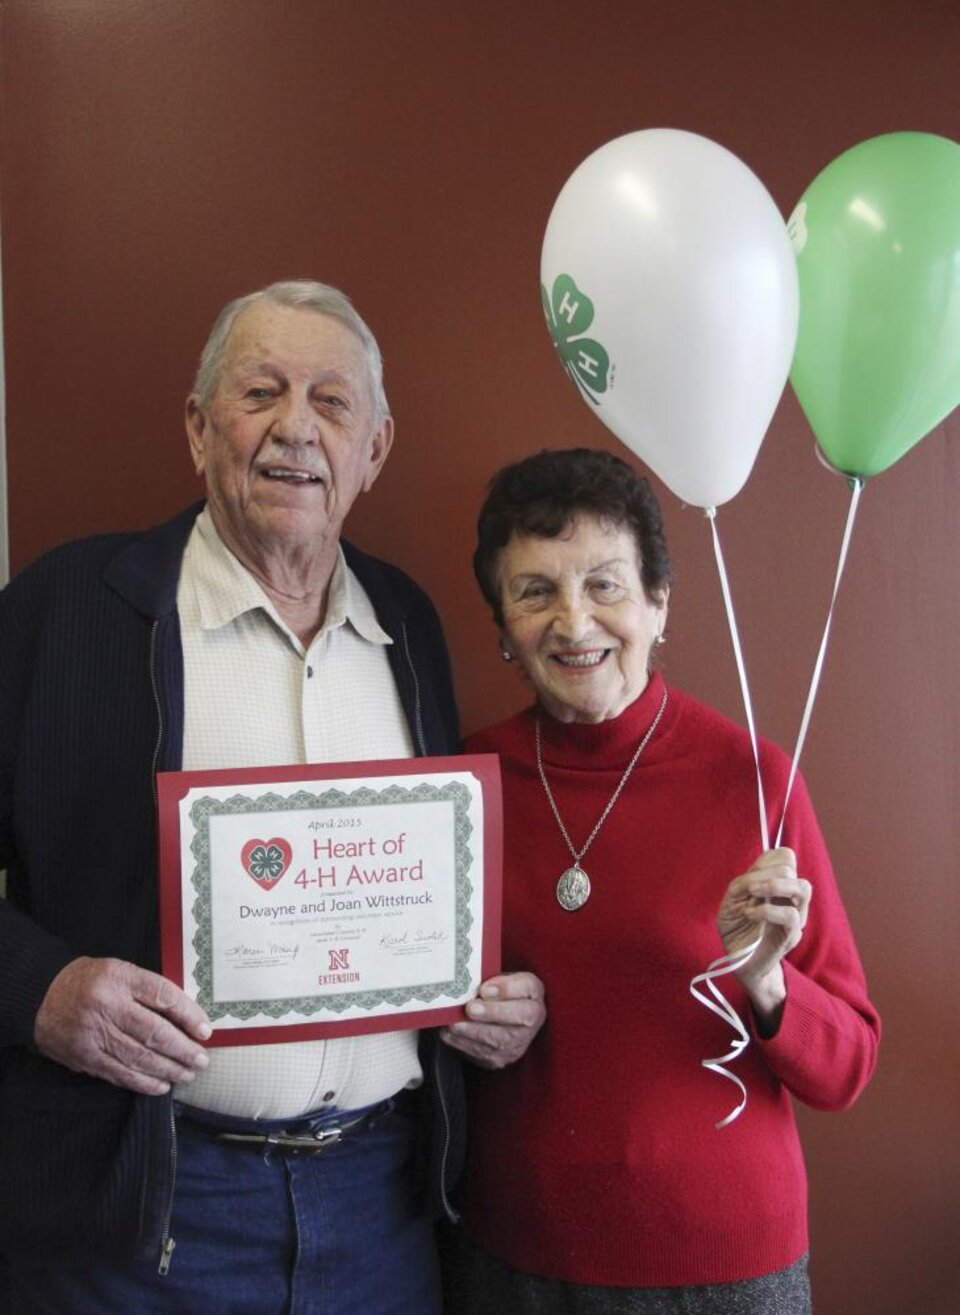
{"points": [[121, 1023], [504, 1019]]}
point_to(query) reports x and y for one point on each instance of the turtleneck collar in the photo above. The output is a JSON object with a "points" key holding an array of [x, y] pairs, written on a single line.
{"points": [[603, 744]]}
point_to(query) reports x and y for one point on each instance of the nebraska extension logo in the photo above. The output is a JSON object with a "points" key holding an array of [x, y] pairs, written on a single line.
{"points": [[339, 961], [339, 972], [266, 860]]}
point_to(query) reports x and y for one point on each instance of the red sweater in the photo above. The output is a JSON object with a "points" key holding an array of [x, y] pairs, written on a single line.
{"points": [[595, 1159]]}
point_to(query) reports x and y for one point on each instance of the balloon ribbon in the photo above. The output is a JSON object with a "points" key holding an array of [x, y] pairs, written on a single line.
{"points": [[856, 488], [716, 1001]]}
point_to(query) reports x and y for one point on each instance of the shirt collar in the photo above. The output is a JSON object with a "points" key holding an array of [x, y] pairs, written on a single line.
{"points": [[226, 589]]}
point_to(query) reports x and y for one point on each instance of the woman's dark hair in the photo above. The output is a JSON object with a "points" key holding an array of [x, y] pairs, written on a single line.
{"points": [[543, 494]]}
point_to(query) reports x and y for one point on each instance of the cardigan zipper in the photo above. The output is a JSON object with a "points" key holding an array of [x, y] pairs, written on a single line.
{"points": [[438, 1079], [159, 707], [167, 1243], [447, 1138], [417, 720]]}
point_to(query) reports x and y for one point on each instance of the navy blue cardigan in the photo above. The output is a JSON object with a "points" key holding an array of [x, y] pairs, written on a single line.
{"points": [[91, 706]]}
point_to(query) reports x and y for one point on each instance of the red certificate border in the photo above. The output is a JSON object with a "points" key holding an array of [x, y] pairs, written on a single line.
{"points": [[173, 786]]}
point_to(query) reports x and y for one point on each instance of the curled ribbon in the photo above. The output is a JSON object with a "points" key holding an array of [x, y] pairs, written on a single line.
{"points": [[721, 1006]]}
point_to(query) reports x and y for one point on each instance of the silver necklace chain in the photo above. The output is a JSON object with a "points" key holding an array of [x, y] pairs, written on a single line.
{"points": [[613, 798]]}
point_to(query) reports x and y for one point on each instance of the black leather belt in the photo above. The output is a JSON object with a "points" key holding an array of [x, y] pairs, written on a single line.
{"points": [[296, 1143], [299, 1141]]}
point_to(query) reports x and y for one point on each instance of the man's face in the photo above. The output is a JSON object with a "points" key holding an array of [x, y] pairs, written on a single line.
{"points": [[290, 437]]}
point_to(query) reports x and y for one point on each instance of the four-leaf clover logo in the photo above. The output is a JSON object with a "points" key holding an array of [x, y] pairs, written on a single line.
{"points": [[569, 314], [266, 860]]}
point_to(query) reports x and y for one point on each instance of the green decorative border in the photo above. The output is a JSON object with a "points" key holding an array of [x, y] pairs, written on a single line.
{"points": [[427, 993]]}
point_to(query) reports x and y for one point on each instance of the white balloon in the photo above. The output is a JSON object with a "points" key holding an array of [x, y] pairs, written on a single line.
{"points": [[670, 288]]}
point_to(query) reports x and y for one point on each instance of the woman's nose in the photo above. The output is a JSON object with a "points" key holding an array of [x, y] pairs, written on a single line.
{"points": [[572, 617]]}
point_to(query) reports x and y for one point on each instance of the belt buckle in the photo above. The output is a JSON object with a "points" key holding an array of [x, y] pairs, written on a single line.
{"points": [[309, 1143], [312, 1144]]}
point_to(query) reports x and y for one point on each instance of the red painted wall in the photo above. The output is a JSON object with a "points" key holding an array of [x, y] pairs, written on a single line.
{"points": [[158, 159]]}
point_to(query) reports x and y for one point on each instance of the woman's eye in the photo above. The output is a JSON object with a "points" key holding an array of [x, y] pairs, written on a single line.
{"points": [[258, 394], [605, 588]]}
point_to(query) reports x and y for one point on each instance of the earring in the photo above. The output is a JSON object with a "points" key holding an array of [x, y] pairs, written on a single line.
{"points": [[505, 654], [660, 639]]}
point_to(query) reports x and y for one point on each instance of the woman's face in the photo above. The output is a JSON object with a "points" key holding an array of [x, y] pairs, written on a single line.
{"points": [[577, 618]]}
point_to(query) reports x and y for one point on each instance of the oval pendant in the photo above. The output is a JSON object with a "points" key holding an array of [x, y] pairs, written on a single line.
{"points": [[573, 889]]}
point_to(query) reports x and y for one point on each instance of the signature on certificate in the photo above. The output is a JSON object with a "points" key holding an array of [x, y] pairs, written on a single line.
{"points": [[413, 939], [271, 953]]}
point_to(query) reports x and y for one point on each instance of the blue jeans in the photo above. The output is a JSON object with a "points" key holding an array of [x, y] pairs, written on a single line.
{"points": [[262, 1233]]}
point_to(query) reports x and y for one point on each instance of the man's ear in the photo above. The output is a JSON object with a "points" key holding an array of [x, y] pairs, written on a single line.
{"points": [[196, 422], [381, 441]]}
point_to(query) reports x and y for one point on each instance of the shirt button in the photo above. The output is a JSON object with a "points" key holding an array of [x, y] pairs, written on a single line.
{"points": [[328, 1096], [309, 673]]}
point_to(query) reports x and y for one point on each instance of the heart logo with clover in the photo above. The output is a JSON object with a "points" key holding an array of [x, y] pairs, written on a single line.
{"points": [[266, 860]]}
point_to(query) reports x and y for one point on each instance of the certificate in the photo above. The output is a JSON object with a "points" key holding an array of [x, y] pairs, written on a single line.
{"points": [[334, 899]]}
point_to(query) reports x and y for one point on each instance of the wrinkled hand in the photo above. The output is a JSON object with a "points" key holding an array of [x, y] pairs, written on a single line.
{"points": [[504, 1019], [122, 1023], [769, 899]]}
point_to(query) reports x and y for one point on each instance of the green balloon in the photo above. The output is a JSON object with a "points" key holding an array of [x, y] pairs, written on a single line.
{"points": [[877, 237]]}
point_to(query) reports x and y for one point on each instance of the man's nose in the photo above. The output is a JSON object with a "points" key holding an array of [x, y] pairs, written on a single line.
{"points": [[297, 420]]}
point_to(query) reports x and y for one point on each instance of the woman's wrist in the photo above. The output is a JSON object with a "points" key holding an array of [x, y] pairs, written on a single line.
{"points": [[768, 995]]}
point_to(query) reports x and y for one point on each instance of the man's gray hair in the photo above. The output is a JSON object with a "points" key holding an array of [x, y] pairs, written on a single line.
{"points": [[305, 294]]}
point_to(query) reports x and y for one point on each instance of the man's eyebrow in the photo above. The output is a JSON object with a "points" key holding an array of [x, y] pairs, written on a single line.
{"points": [[254, 365], [257, 365]]}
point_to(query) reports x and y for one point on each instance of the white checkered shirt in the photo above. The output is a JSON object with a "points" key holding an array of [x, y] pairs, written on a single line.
{"points": [[253, 697]]}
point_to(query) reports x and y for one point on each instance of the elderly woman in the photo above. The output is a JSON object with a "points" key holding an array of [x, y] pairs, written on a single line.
{"points": [[597, 1179]]}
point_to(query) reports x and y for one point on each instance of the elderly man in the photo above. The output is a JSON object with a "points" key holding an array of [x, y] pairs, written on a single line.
{"points": [[244, 633]]}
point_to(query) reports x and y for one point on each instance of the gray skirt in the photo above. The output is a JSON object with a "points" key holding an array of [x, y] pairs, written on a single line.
{"points": [[475, 1283]]}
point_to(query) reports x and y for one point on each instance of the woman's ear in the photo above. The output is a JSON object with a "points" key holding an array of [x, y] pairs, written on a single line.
{"points": [[661, 601]]}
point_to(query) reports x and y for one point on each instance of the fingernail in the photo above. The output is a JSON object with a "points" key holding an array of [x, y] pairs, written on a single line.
{"points": [[475, 1009], [202, 1060], [204, 1032], [490, 992]]}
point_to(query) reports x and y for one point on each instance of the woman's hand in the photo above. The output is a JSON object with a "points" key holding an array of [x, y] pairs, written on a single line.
{"points": [[507, 1014], [772, 901]]}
